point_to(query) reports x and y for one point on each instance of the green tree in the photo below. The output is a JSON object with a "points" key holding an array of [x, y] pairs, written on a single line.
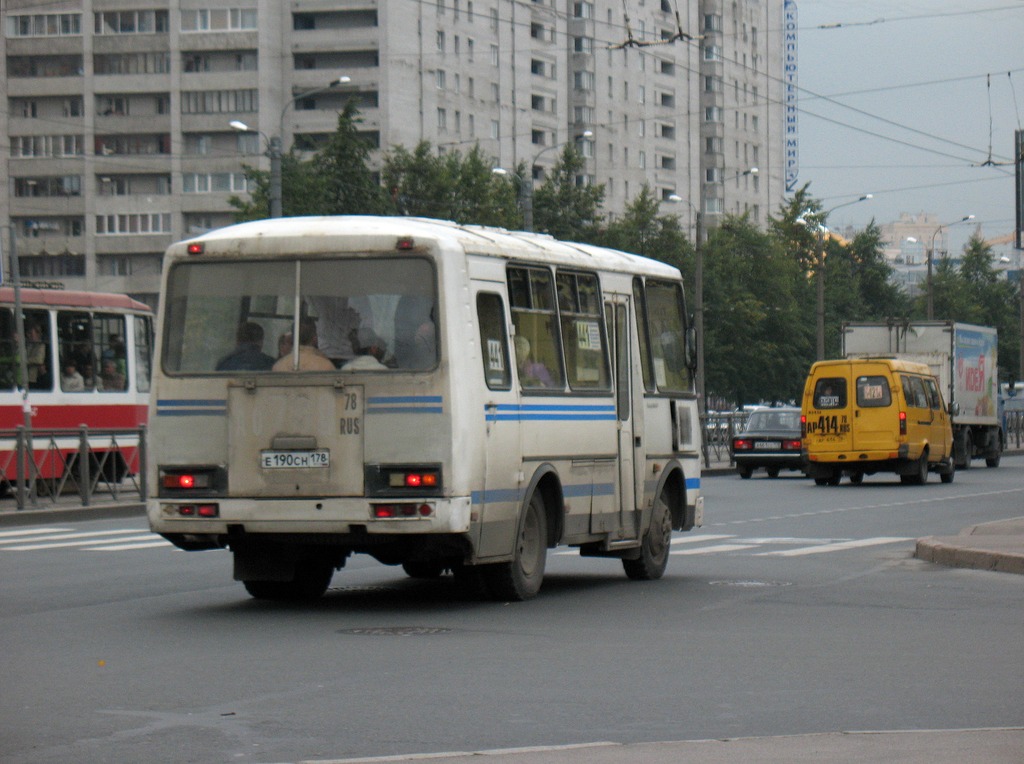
{"points": [[757, 340], [449, 186], [347, 184], [564, 208], [337, 181], [643, 231]]}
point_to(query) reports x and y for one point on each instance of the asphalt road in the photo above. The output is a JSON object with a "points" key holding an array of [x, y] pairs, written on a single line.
{"points": [[796, 609]]}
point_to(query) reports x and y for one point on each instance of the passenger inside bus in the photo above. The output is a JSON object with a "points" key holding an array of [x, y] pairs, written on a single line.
{"points": [[310, 357], [335, 322], [370, 351], [415, 333], [531, 373], [248, 354], [35, 357]]}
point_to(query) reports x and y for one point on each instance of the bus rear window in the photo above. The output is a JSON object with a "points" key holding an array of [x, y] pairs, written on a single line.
{"points": [[359, 315], [830, 393], [873, 392]]}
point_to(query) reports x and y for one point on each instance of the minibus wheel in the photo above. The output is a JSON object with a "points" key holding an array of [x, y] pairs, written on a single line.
{"points": [[920, 474], [521, 577]]}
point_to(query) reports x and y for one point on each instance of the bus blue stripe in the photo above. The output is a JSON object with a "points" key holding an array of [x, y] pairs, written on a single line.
{"points": [[375, 399], [404, 410], [191, 407]]}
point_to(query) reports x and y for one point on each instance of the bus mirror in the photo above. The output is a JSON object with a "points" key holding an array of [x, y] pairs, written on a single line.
{"points": [[691, 348]]}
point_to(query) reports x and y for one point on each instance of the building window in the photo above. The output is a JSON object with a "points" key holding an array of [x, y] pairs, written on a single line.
{"points": [[440, 41], [39, 146], [44, 25], [219, 101], [134, 224], [712, 114], [218, 19], [439, 79], [442, 120], [712, 53], [220, 182], [130, 22]]}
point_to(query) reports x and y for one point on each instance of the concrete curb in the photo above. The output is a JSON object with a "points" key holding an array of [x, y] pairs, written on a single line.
{"points": [[997, 546]]}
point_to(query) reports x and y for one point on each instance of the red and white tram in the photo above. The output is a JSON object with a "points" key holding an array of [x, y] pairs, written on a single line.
{"points": [[88, 361]]}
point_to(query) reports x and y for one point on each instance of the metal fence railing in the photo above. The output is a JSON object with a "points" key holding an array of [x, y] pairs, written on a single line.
{"points": [[41, 466], [718, 427]]}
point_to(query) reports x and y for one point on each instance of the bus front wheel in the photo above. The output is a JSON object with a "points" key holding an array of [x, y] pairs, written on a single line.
{"points": [[521, 577], [653, 559]]}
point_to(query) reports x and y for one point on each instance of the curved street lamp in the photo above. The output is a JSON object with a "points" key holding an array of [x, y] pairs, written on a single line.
{"points": [[817, 219], [931, 251], [274, 150], [526, 184]]}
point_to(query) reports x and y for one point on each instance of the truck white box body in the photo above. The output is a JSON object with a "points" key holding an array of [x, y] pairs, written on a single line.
{"points": [[963, 357]]}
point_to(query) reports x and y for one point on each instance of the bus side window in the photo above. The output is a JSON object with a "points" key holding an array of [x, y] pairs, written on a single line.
{"points": [[538, 354], [493, 341], [640, 308], [579, 307]]}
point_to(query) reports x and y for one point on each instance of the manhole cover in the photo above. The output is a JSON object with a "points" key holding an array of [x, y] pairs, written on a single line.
{"points": [[749, 584], [396, 631]]}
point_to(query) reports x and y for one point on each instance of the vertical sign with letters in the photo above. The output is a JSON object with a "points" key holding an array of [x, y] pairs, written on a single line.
{"points": [[790, 95]]}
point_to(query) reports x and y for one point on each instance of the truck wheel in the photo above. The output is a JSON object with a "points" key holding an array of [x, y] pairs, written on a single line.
{"points": [[653, 559], [962, 448], [947, 475], [520, 578]]}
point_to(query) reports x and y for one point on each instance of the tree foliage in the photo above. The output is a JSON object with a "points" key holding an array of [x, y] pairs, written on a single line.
{"points": [[759, 286], [564, 208]]}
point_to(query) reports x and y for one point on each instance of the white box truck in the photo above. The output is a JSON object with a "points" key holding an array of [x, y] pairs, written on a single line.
{"points": [[963, 357]]}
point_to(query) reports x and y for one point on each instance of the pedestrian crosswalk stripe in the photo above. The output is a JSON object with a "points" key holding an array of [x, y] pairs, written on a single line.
{"points": [[49, 543], [65, 537], [151, 544], [855, 543], [714, 549], [15, 536]]}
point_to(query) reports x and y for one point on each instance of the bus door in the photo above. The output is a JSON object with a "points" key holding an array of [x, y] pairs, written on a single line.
{"points": [[498, 500], [631, 456]]}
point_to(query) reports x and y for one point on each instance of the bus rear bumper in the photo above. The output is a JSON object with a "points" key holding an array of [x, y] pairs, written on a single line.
{"points": [[215, 518]]}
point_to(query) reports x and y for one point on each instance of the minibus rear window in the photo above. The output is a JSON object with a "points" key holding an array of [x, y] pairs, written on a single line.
{"points": [[830, 393], [873, 392]]}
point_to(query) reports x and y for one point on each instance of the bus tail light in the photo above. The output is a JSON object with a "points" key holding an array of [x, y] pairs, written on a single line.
{"points": [[403, 480], [199, 510], [400, 511], [192, 480]]}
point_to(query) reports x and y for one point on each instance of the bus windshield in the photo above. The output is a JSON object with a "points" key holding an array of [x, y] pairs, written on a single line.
{"points": [[366, 314]]}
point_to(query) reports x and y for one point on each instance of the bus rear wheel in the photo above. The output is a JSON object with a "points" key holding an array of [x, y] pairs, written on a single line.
{"points": [[521, 577], [310, 582], [653, 559]]}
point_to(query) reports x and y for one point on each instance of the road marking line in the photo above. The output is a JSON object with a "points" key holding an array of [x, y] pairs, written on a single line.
{"points": [[68, 544], [65, 536], [714, 549], [836, 547], [14, 535], [123, 547]]}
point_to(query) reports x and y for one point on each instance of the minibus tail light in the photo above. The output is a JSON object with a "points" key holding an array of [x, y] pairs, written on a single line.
{"points": [[903, 423], [194, 249], [803, 425]]}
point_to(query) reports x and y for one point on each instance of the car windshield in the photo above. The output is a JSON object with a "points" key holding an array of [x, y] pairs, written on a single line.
{"points": [[774, 420]]}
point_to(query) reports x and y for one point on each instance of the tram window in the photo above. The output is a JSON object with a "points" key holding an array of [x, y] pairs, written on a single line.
{"points": [[143, 353], [38, 352], [8, 351], [493, 341], [76, 355], [109, 342]]}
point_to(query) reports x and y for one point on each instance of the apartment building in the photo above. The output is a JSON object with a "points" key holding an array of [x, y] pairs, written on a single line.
{"points": [[119, 113]]}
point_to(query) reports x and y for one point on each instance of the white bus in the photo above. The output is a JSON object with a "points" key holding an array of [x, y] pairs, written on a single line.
{"points": [[459, 399]]}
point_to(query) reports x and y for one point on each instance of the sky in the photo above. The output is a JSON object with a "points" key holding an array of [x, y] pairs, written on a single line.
{"points": [[915, 102]]}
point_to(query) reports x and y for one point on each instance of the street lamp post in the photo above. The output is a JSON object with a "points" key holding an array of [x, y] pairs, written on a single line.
{"points": [[931, 252], [274, 143], [526, 184], [698, 288], [22, 351], [819, 275]]}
